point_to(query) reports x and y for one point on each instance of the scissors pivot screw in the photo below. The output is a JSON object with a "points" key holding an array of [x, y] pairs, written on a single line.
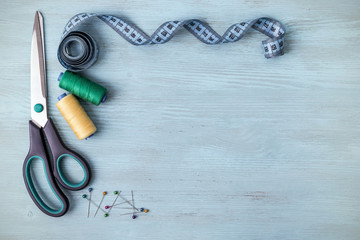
{"points": [[38, 108]]}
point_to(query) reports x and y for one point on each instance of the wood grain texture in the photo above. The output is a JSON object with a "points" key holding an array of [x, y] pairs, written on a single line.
{"points": [[217, 141]]}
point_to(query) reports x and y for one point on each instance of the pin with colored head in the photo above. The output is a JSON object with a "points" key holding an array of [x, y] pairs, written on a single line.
{"points": [[104, 193], [90, 190], [117, 193]]}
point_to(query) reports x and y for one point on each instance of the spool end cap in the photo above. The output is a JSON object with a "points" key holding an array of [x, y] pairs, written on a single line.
{"points": [[104, 98], [60, 76], [89, 136], [61, 96]]}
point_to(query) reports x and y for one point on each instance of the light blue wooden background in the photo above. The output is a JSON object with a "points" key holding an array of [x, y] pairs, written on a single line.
{"points": [[217, 141]]}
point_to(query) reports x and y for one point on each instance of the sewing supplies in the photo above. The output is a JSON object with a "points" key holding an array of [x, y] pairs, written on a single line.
{"points": [[40, 127], [104, 193], [114, 205], [90, 191], [92, 202], [132, 205], [82, 87], [121, 207], [120, 204], [78, 51], [75, 116], [71, 36], [117, 195], [129, 214], [134, 211]]}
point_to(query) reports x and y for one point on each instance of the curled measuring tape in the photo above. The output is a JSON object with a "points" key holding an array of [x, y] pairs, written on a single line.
{"points": [[87, 53], [85, 56]]}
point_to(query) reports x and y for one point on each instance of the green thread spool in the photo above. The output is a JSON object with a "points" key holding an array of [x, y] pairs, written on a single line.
{"points": [[82, 87]]}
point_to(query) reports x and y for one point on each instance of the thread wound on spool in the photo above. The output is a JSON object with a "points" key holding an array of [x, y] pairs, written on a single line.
{"points": [[82, 87], [75, 116]]}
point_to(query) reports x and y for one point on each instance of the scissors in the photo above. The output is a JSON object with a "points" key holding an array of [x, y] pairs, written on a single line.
{"points": [[40, 127]]}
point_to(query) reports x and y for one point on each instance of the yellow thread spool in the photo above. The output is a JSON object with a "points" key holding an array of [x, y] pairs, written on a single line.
{"points": [[75, 116]]}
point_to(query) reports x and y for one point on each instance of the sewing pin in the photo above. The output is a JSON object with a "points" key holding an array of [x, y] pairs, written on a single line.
{"points": [[127, 202], [92, 202], [110, 206], [104, 193], [127, 214], [121, 203], [90, 190], [133, 204], [108, 212], [85, 196], [124, 208]]}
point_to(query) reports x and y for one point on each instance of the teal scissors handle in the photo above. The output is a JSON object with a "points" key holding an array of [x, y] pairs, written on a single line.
{"points": [[37, 151], [58, 151]]}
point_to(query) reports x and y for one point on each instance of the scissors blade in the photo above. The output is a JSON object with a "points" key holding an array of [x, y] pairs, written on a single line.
{"points": [[38, 73]]}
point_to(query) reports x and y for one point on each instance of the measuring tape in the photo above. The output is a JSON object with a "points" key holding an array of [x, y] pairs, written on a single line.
{"points": [[88, 52]]}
